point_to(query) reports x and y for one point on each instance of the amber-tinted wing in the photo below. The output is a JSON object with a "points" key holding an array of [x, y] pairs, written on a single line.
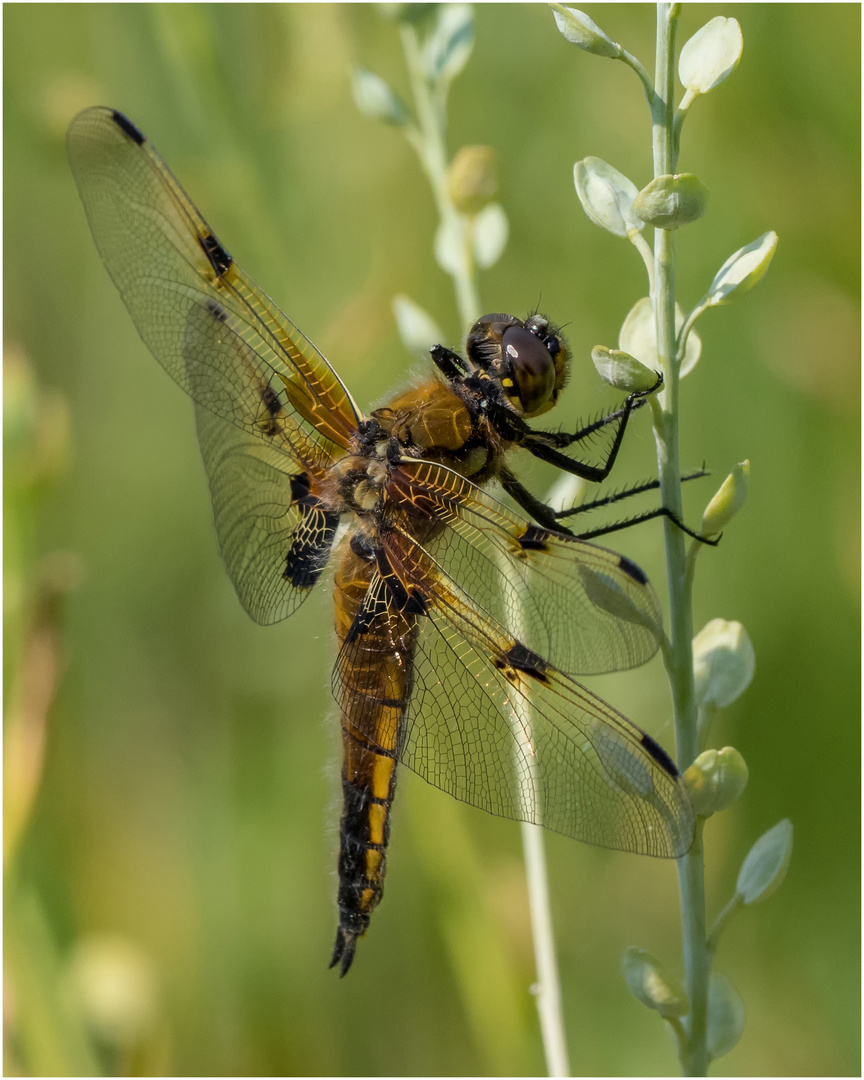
{"points": [[585, 609], [272, 415], [184, 291], [489, 719], [274, 532]]}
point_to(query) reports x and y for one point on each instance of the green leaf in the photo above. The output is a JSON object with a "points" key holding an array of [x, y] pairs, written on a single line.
{"points": [[449, 45], [729, 499], [742, 270], [725, 1016], [417, 329], [491, 230], [764, 869], [607, 196], [374, 98], [622, 370], [715, 780], [584, 32], [711, 55], [649, 982], [638, 337], [671, 201], [723, 662]]}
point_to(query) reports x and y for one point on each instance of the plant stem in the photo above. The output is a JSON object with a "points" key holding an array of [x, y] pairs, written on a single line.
{"points": [[678, 658], [548, 987], [428, 141]]}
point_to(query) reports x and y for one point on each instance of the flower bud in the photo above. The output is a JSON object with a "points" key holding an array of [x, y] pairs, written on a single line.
{"points": [[638, 336], [374, 98], [622, 370], [671, 201], [606, 196], [723, 662], [764, 869], [742, 270], [725, 1016], [417, 329], [711, 55], [491, 230], [649, 982], [584, 32], [715, 780], [728, 500], [472, 178], [449, 43]]}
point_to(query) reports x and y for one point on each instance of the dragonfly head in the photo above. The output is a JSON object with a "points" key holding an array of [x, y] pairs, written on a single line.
{"points": [[529, 360]]}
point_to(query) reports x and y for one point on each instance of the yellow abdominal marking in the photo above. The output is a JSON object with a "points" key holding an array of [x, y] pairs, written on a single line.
{"points": [[381, 776], [377, 817], [373, 864]]}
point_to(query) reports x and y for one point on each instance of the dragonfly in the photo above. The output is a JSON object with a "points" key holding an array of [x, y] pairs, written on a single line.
{"points": [[460, 624]]}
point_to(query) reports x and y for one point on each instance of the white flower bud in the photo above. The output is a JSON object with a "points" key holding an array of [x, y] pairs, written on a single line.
{"points": [[606, 196], [742, 270], [723, 662], [584, 32], [622, 370], [649, 982], [669, 202], [765, 866], [374, 98], [711, 55]]}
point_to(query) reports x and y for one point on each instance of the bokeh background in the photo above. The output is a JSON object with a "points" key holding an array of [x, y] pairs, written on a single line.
{"points": [[171, 769]]}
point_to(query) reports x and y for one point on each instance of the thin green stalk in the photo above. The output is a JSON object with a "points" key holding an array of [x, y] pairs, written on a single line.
{"points": [[547, 989], [678, 657], [428, 140]]}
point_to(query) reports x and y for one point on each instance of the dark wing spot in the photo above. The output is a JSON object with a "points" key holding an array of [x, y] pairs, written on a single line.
{"points": [[299, 488], [219, 258], [632, 570], [128, 128], [310, 546], [521, 658], [659, 754], [409, 600], [533, 539], [271, 401], [313, 537], [217, 311]]}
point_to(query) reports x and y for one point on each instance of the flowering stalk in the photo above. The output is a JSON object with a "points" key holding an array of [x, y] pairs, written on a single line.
{"points": [[471, 235], [709, 671], [678, 654]]}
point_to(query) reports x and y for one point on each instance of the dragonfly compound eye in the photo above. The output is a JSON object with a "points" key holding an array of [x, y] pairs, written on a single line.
{"points": [[533, 368]]}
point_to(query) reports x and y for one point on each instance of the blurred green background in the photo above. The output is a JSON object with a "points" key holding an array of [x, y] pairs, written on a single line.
{"points": [[171, 769]]}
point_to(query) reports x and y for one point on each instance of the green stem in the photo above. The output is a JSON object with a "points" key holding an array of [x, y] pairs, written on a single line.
{"points": [[427, 138], [547, 989], [678, 656], [428, 141], [722, 920]]}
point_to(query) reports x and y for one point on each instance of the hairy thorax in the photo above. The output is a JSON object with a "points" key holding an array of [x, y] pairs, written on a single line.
{"points": [[435, 422]]}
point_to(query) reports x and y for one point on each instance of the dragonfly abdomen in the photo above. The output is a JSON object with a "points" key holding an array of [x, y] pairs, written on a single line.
{"points": [[374, 676], [368, 785]]}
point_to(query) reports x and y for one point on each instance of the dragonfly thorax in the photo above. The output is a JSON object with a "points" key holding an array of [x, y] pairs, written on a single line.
{"points": [[361, 480]]}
